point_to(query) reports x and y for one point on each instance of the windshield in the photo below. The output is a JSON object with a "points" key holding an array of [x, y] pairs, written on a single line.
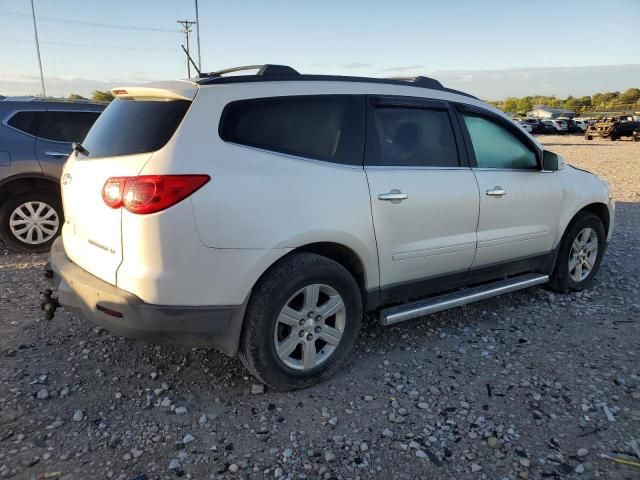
{"points": [[128, 126]]}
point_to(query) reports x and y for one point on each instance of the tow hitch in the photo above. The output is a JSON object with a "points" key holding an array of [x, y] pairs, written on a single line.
{"points": [[48, 304]]}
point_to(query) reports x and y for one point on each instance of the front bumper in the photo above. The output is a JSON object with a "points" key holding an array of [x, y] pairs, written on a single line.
{"points": [[125, 314]]}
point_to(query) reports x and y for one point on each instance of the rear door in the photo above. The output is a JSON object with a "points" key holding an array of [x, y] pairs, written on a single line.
{"points": [[59, 129], [519, 202], [119, 144], [424, 196]]}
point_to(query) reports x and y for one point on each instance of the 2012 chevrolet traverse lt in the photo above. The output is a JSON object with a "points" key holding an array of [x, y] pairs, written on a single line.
{"points": [[263, 214]]}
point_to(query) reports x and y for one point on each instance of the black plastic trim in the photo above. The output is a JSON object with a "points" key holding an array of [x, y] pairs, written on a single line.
{"points": [[407, 291]]}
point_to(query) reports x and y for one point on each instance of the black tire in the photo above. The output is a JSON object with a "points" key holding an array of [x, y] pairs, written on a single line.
{"points": [[588, 137], [10, 206], [271, 294], [613, 138], [561, 280]]}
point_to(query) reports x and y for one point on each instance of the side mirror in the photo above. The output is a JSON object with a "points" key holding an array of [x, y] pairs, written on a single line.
{"points": [[550, 161]]}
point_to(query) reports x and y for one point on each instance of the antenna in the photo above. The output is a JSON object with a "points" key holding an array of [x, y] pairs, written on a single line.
{"points": [[189, 59], [187, 30]]}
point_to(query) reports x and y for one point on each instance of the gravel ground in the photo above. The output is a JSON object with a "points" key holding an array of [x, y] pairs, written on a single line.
{"points": [[513, 387]]}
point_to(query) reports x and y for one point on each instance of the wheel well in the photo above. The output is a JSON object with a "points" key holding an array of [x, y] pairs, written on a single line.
{"points": [[601, 211], [28, 184], [341, 254]]}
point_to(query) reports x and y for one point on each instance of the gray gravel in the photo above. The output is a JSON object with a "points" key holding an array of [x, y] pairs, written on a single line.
{"points": [[531, 385]]}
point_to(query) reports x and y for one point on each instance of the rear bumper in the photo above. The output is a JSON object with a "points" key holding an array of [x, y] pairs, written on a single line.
{"points": [[125, 314]]}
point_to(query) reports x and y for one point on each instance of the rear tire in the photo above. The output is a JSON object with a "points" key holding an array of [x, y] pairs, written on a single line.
{"points": [[292, 310], [588, 137], [31, 221], [580, 254]]}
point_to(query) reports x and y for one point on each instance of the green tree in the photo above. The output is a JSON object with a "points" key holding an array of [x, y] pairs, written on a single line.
{"points": [[100, 96], [75, 96], [632, 95]]}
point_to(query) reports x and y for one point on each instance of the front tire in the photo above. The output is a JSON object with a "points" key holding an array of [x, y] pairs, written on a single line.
{"points": [[31, 221], [301, 322], [580, 254]]}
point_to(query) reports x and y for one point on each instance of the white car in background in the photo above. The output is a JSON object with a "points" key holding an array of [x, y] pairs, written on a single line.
{"points": [[264, 214], [560, 126], [523, 125], [582, 125]]}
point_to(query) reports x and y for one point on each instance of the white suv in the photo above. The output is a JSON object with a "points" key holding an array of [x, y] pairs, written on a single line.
{"points": [[264, 214]]}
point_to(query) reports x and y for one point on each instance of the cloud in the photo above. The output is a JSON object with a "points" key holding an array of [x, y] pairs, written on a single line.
{"points": [[401, 69], [15, 85], [355, 65], [560, 81]]}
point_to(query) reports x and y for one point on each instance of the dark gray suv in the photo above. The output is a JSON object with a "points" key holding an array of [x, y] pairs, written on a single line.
{"points": [[35, 140]]}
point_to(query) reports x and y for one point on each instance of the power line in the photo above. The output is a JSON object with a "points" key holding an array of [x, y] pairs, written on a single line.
{"points": [[88, 45], [70, 21]]}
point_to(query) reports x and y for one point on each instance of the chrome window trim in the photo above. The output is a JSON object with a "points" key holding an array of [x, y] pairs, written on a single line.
{"points": [[5, 122]]}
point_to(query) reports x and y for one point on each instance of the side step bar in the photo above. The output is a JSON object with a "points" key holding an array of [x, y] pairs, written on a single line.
{"points": [[400, 313]]}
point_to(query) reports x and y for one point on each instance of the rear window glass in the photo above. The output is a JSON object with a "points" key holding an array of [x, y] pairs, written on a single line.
{"points": [[28, 122], [321, 127], [128, 127], [67, 126]]}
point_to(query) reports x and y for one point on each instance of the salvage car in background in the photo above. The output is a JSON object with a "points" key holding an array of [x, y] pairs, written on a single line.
{"points": [[612, 128], [35, 140]]}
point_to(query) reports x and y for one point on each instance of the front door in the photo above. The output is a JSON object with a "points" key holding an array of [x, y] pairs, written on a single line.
{"points": [[424, 198], [519, 202]]}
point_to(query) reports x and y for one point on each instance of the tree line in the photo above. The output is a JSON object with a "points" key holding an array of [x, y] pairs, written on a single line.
{"points": [[629, 100]]}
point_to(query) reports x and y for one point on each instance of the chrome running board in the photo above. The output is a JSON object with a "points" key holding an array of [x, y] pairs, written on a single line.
{"points": [[400, 313]]}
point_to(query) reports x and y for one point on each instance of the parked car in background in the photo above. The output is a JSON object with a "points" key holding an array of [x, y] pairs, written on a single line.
{"points": [[264, 214], [612, 128], [535, 125], [572, 127], [35, 140], [581, 124], [523, 125], [558, 126]]}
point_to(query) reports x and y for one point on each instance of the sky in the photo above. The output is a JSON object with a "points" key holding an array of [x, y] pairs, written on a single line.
{"points": [[490, 48]]}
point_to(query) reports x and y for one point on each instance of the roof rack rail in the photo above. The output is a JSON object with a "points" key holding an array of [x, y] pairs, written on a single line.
{"points": [[426, 82], [263, 70], [270, 72]]}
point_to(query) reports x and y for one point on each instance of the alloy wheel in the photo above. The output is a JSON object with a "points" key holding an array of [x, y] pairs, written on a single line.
{"points": [[309, 327], [583, 255]]}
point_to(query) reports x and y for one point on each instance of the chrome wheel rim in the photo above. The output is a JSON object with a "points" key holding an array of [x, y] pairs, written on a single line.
{"points": [[34, 223], [309, 327], [583, 255]]}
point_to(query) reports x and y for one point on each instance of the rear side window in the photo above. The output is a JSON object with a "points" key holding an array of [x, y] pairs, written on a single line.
{"points": [[67, 126], [414, 137], [321, 127], [127, 127], [27, 122], [495, 147]]}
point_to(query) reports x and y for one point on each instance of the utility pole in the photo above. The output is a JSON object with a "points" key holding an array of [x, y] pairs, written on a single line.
{"points": [[198, 36], [187, 30], [35, 30]]}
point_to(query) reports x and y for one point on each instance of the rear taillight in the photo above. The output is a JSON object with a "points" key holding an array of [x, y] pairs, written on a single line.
{"points": [[150, 193]]}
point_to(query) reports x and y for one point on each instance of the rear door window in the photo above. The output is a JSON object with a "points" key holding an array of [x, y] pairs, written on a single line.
{"points": [[27, 122], [68, 126], [414, 137], [128, 127], [320, 127]]}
